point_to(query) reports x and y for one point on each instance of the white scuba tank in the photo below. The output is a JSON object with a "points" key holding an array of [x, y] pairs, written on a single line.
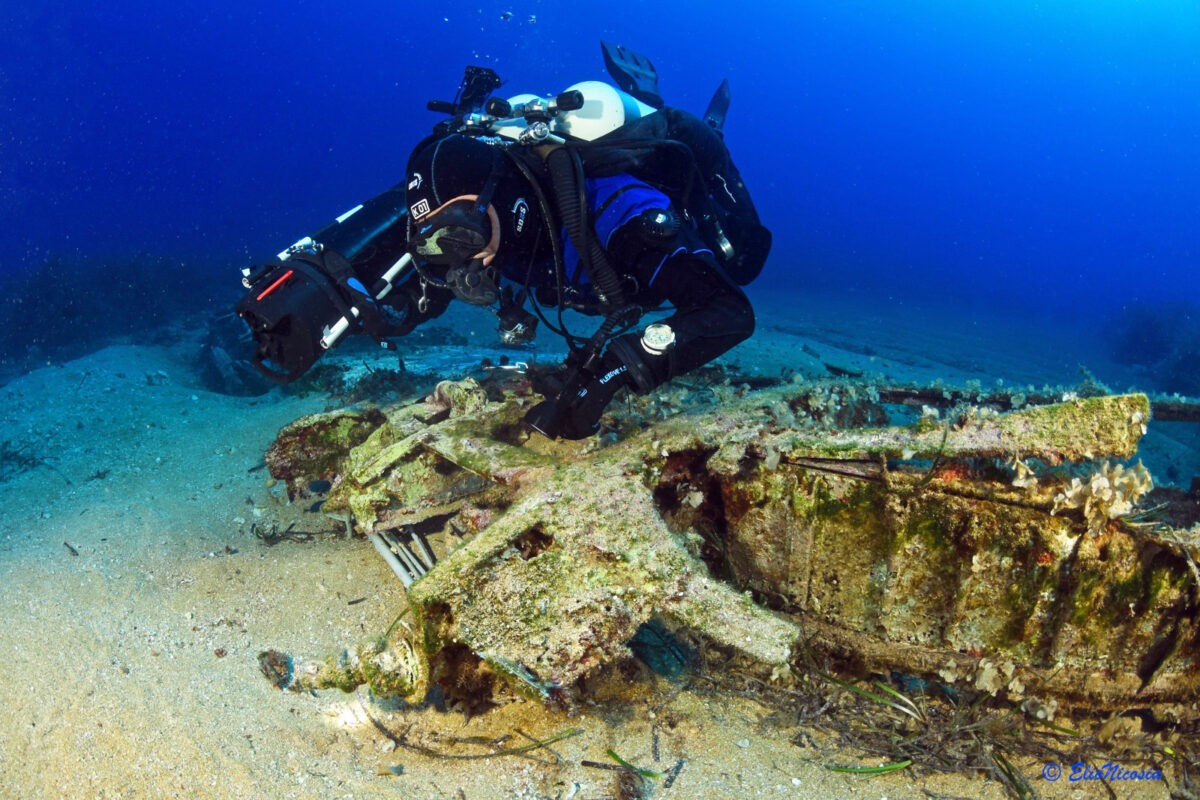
{"points": [[605, 109]]}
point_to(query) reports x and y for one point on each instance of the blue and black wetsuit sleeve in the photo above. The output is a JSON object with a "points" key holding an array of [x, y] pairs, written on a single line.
{"points": [[671, 263]]}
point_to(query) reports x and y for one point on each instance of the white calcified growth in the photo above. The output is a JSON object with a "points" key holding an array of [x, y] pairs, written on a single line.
{"points": [[1111, 492], [1025, 477]]}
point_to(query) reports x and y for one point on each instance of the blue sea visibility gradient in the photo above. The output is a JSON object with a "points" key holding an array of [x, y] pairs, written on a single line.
{"points": [[1043, 156]]}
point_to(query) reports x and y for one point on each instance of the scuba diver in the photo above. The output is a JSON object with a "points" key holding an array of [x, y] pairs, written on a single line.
{"points": [[600, 200]]}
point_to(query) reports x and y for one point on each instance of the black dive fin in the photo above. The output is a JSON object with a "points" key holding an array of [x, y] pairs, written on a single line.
{"points": [[633, 73], [718, 107]]}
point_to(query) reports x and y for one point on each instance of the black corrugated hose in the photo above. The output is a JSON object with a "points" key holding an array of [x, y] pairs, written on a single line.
{"points": [[566, 176]]}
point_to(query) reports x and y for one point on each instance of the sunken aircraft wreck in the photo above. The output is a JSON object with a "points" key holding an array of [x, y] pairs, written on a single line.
{"points": [[996, 551]]}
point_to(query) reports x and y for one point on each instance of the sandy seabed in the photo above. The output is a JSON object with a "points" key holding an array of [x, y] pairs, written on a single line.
{"points": [[135, 599]]}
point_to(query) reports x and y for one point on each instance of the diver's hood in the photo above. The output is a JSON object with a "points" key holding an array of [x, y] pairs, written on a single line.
{"points": [[457, 166]]}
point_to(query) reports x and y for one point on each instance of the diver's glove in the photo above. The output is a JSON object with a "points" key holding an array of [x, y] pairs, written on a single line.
{"points": [[582, 412], [577, 411], [516, 325]]}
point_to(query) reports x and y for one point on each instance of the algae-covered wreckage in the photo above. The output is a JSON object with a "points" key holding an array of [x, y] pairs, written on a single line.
{"points": [[986, 550]]}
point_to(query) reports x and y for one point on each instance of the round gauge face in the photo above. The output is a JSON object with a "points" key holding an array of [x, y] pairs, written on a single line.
{"points": [[658, 337]]}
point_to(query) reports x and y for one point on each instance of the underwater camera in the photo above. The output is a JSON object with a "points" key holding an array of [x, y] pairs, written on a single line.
{"points": [[302, 302]]}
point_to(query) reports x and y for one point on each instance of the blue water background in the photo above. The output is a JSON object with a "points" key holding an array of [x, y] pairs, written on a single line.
{"points": [[1042, 157]]}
